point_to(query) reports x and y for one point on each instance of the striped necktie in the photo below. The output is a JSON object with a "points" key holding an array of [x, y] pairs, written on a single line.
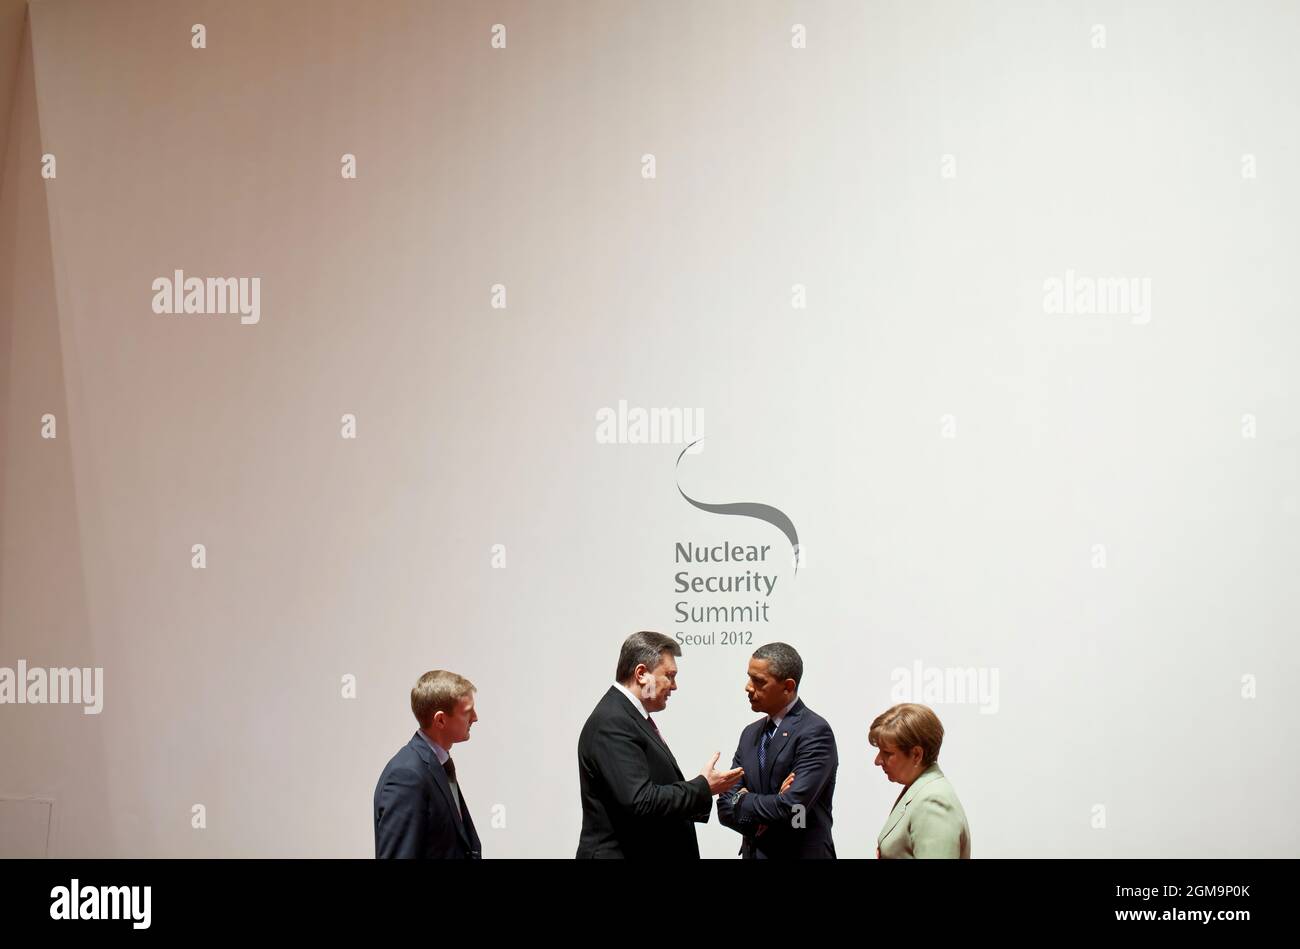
{"points": [[762, 748]]}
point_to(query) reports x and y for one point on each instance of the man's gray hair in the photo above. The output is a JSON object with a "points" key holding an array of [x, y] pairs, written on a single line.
{"points": [[782, 661], [643, 648]]}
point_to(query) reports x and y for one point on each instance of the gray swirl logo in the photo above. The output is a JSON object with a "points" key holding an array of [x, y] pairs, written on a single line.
{"points": [[763, 512]]}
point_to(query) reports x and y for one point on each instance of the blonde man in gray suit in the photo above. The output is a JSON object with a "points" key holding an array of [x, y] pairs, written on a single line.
{"points": [[927, 819]]}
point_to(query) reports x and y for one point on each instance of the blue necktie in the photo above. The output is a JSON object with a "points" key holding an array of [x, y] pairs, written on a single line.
{"points": [[762, 749]]}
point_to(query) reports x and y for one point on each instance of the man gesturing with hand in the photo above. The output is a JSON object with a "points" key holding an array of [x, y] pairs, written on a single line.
{"points": [[635, 801]]}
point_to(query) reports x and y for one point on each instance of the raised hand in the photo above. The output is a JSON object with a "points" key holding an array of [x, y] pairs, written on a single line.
{"points": [[720, 781]]}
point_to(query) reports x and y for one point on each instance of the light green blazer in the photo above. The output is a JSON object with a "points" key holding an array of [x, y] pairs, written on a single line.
{"points": [[927, 821]]}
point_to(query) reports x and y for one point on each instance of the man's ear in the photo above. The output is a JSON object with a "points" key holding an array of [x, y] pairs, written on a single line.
{"points": [[791, 686]]}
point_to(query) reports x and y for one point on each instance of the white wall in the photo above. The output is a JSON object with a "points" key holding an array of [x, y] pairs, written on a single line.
{"points": [[1119, 687]]}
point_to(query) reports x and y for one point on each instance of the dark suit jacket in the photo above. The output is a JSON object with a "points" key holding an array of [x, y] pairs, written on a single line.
{"points": [[414, 810], [805, 745], [635, 802]]}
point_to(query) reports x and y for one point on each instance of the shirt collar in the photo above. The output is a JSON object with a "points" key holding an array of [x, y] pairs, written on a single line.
{"points": [[438, 750], [774, 721], [631, 697]]}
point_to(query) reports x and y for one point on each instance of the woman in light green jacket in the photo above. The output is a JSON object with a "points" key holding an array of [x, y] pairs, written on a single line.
{"points": [[927, 819]]}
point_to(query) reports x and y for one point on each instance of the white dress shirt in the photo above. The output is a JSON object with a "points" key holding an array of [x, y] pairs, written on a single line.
{"points": [[632, 697], [438, 750], [774, 721]]}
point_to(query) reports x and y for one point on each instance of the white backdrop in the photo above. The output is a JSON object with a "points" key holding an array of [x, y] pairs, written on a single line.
{"points": [[1099, 508]]}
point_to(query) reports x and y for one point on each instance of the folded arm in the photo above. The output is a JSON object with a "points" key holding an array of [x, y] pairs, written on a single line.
{"points": [[815, 761], [728, 804]]}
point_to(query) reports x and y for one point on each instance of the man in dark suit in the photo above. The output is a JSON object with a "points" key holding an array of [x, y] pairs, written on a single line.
{"points": [[783, 808], [419, 808], [635, 802]]}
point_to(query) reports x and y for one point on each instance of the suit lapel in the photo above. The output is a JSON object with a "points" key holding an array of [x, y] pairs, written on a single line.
{"points": [[789, 725], [894, 817], [468, 831], [929, 774], [646, 727], [749, 755], [440, 779]]}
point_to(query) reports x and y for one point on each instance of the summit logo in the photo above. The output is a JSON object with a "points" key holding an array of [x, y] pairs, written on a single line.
{"points": [[761, 512]]}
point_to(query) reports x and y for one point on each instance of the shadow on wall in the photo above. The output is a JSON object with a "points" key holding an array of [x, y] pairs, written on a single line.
{"points": [[53, 798]]}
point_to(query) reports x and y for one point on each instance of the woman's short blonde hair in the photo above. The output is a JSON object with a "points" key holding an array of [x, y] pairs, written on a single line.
{"points": [[907, 725], [438, 691]]}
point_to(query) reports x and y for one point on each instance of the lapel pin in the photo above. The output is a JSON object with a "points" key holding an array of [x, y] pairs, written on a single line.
{"points": [[785, 734]]}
